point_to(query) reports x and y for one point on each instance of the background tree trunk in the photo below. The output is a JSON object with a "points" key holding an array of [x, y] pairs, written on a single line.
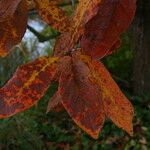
{"points": [[141, 29]]}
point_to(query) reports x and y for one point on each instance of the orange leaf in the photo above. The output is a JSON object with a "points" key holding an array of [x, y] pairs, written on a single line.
{"points": [[116, 106], [53, 15], [12, 24], [27, 86], [86, 9], [104, 30], [81, 97]]}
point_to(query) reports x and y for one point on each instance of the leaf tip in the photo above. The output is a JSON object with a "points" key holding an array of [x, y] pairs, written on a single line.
{"points": [[93, 133]]}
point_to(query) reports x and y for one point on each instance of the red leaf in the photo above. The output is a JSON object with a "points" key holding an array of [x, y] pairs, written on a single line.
{"points": [[12, 24], [81, 97], [55, 104], [27, 86], [86, 9], [116, 106], [103, 30]]}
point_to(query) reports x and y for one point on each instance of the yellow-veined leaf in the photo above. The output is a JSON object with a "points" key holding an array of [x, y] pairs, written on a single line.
{"points": [[116, 106], [86, 9], [27, 86], [53, 15]]}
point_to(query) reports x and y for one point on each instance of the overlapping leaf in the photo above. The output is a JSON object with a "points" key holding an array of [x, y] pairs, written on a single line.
{"points": [[88, 93], [81, 97], [55, 104], [102, 31], [85, 11], [53, 15], [27, 86], [12, 24], [86, 89], [116, 106]]}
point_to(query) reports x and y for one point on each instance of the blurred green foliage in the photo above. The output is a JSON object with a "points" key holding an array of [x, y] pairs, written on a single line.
{"points": [[33, 129]]}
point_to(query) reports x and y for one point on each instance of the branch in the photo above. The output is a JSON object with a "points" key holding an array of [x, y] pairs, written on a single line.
{"points": [[41, 37], [33, 10]]}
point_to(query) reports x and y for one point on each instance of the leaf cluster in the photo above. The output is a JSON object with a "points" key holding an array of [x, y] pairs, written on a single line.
{"points": [[86, 89]]}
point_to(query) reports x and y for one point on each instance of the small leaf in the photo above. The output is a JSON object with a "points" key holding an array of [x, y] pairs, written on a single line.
{"points": [[55, 104], [103, 31], [27, 86], [53, 15], [81, 97], [116, 106], [12, 24]]}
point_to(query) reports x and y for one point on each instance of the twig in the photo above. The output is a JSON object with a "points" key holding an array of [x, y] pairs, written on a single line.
{"points": [[41, 37]]}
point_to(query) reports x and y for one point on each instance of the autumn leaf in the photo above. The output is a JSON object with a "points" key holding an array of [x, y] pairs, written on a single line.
{"points": [[85, 11], [8, 8], [86, 89], [78, 93], [54, 104], [53, 15], [27, 86], [103, 31], [12, 24], [116, 106], [88, 93]]}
